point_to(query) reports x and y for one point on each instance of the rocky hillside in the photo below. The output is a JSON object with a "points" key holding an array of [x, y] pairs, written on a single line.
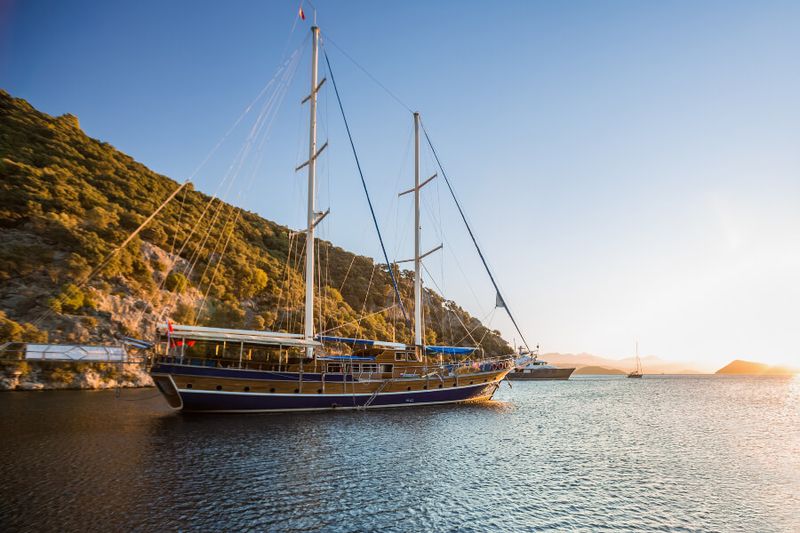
{"points": [[67, 200]]}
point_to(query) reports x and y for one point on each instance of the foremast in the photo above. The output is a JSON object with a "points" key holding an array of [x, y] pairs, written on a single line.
{"points": [[419, 326], [313, 217]]}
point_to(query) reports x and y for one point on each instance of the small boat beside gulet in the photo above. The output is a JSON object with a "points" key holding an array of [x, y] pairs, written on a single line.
{"points": [[528, 366], [208, 369]]}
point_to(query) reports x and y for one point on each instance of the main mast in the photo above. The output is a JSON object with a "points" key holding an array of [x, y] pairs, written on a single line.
{"points": [[312, 178], [419, 321]]}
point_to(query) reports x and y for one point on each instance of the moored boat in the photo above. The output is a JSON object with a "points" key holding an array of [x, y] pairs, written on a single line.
{"points": [[208, 369], [539, 370], [225, 370], [528, 366]]}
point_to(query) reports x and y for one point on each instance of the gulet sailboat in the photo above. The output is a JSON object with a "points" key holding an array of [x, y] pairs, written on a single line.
{"points": [[209, 369], [637, 371]]}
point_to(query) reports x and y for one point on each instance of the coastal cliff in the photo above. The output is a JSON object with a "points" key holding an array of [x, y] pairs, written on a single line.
{"points": [[55, 376]]}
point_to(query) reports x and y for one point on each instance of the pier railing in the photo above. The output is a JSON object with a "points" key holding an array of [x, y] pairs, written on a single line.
{"points": [[16, 352]]}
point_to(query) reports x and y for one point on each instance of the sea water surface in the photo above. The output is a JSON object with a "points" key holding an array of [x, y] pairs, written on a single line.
{"points": [[589, 454]]}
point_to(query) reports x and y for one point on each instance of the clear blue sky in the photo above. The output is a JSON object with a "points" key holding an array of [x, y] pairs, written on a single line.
{"points": [[631, 168]]}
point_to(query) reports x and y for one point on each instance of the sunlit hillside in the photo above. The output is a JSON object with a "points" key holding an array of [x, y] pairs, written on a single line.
{"points": [[67, 200]]}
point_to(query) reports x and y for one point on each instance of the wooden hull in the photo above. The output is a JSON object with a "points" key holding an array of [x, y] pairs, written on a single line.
{"points": [[541, 374], [219, 390]]}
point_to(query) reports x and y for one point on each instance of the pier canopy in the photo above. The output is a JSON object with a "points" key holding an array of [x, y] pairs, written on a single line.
{"points": [[75, 352], [248, 336]]}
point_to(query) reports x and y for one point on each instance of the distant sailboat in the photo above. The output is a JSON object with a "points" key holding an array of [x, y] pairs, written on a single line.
{"points": [[637, 372]]}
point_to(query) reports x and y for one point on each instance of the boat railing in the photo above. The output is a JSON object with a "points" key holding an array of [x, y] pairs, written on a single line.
{"points": [[431, 370]]}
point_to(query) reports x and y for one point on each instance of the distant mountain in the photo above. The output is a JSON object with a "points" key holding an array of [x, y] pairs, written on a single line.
{"points": [[650, 363], [591, 369], [750, 368]]}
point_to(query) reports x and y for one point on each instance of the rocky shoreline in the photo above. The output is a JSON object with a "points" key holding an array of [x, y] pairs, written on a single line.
{"points": [[26, 376]]}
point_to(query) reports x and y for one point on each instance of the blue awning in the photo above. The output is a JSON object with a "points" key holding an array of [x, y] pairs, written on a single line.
{"points": [[348, 340], [451, 350], [363, 342]]}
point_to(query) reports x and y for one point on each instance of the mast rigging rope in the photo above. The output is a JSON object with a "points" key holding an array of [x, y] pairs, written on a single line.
{"points": [[364, 185], [472, 236]]}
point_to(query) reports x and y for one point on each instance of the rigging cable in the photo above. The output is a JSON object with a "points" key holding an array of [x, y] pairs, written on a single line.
{"points": [[365, 71], [472, 236], [469, 333], [364, 184]]}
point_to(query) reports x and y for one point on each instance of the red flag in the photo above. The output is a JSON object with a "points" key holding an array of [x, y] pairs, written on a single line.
{"points": [[301, 14], [189, 343], [169, 326]]}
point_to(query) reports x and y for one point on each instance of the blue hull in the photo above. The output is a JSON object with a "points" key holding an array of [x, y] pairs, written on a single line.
{"points": [[204, 400], [245, 402]]}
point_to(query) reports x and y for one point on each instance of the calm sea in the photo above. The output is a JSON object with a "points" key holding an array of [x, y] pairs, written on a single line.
{"points": [[589, 454]]}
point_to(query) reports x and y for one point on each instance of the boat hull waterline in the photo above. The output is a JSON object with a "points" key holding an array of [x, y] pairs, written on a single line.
{"points": [[342, 394]]}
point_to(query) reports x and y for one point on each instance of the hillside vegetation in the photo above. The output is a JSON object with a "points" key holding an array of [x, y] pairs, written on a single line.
{"points": [[67, 200]]}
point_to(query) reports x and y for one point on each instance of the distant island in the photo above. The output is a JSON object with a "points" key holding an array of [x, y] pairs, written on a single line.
{"points": [[750, 368], [587, 363], [602, 370]]}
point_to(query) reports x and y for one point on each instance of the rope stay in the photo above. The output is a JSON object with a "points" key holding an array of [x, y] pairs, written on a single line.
{"points": [[501, 300], [81, 283], [366, 191]]}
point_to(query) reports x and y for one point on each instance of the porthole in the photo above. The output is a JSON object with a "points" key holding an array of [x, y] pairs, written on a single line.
{"points": [[247, 389], [455, 384], [188, 385], [440, 385], [319, 391], [272, 389], [219, 387], [425, 387], [471, 382], [296, 391], [408, 388]]}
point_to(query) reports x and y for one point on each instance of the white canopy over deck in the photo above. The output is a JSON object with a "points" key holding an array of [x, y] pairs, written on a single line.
{"points": [[249, 336]]}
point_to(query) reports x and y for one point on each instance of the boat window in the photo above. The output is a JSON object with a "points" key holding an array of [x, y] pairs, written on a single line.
{"points": [[356, 368], [400, 356], [335, 368], [387, 368], [369, 368], [411, 356]]}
